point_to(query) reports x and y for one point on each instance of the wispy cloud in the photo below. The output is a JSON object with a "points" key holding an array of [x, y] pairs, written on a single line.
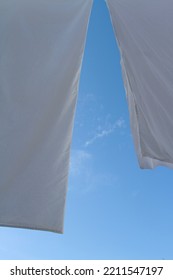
{"points": [[79, 160], [105, 131], [120, 123], [84, 174]]}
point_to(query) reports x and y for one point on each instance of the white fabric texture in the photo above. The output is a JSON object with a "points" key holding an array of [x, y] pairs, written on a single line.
{"points": [[144, 34], [41, 50]]}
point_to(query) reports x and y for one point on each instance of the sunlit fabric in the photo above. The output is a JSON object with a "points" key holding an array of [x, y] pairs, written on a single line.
{"points": [[144, 34], [41, 50]]}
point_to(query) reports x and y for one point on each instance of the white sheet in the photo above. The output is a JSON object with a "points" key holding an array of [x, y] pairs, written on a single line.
{"points": [[41, 50], [144, 33]]}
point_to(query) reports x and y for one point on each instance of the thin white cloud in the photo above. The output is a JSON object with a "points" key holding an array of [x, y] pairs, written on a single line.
{"points": [[103, 132], [98, 135], [84, 176], [78, 160], [120, 123]]}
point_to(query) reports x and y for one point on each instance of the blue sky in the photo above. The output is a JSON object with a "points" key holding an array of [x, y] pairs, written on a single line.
{"points": [[114, 209]]}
